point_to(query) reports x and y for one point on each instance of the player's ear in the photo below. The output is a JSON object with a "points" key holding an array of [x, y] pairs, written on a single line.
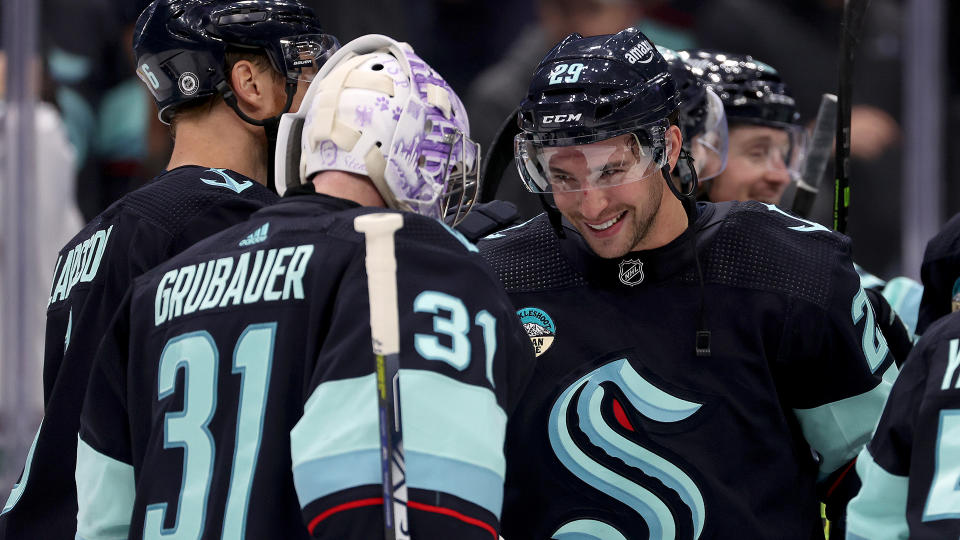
{"points": [[674, 140], [250, 85]]}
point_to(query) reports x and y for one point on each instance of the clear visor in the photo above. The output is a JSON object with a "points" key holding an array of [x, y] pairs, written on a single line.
{"points": [[303, 55], [773, 147], [462, 167], [588, 165], [709, 148]]}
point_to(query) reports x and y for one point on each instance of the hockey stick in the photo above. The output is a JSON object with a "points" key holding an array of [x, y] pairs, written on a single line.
{"points": [[815, 163], [853, 11], [381, 265]]}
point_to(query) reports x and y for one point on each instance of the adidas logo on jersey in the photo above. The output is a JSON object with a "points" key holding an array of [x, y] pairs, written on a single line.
{"points": [[256, 236]]}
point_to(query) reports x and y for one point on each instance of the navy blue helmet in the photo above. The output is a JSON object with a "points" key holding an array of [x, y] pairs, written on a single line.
{"points": [[593, 89], [702, 117], [751, 91], [181, 45]]}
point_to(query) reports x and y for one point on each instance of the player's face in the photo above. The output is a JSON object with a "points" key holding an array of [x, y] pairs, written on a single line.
{"points": [[756, 166], [613, 220]]}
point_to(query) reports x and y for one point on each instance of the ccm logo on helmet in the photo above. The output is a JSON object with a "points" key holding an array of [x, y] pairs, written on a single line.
{"points": [[641, 52], [557, 118]]}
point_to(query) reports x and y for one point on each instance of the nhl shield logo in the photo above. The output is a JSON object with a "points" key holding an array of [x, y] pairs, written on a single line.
{"points": [[539, 327], [631, 272]]}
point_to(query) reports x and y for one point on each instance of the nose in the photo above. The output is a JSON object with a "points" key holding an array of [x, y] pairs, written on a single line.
{"points": [[593, 202], [777, 172]]}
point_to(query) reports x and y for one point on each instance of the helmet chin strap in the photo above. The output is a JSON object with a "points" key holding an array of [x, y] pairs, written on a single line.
{"points": [[270, 125]]}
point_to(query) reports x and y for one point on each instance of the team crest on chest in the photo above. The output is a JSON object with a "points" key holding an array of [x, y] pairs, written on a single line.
{"points": [[631, 272], [539, 327]]}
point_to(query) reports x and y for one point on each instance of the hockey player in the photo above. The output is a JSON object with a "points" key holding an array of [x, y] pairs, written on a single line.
{"points": [[909, 468], [766, 139], [221, 73], [251, 351], [766, 149], [666, 402]]}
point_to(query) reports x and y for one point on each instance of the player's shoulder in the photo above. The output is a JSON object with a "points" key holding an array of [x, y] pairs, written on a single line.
{"points": [[528, 256], [768, 223], [759, 245], [175, 197], [416, 232]]}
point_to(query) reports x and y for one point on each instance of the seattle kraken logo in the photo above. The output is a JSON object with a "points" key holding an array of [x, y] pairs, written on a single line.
{"points": [[227, 182], [651, 402]]}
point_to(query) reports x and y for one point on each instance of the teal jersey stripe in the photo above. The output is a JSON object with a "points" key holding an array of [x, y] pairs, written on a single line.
{"points": [[838, 430], [447, 418], [105, 493], [879, 511], [479, 485], [345, 413], [322, 477], [20, 486], [453, 434]]}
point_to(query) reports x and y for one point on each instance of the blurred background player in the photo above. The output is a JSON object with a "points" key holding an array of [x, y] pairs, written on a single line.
{"points": [[909, 469], [221, 73], [277, 360], [765, 154], [646, 362], [766, 139]]}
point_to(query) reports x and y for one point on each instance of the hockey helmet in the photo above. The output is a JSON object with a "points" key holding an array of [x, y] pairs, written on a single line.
{"points": [[376, 109], [702, 117], [181, 45], [752, 93], [611, 92]]}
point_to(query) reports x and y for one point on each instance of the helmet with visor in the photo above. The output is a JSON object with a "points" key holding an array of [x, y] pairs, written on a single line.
{"points": [[596, 114]]}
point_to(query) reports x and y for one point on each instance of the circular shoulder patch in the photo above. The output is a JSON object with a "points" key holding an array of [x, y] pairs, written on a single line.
{"points": [[539, 327]]}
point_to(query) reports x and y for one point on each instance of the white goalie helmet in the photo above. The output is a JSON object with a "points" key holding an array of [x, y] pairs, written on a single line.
{"points": [[378, 110]]}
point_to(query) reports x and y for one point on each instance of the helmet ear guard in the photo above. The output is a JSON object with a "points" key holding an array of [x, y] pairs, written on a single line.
{"points": [[181, 46]]}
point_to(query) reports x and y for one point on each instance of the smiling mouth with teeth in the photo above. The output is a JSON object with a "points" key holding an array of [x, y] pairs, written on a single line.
{"points": [[606, 224]]}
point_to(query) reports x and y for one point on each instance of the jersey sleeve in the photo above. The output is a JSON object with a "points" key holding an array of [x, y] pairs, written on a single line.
{"points": [[459, 340], [898, 337], [910, 468], [832, 365], [104, 470], [880, 508]]}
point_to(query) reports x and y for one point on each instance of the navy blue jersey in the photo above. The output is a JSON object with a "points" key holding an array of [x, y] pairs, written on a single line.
{"points": [[236, 392], [143, 229], [625, 432], [911, 468], [940, 275]]}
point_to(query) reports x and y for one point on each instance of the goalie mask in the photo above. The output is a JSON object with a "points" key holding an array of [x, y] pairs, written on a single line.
{"points": [[376, 109]]}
